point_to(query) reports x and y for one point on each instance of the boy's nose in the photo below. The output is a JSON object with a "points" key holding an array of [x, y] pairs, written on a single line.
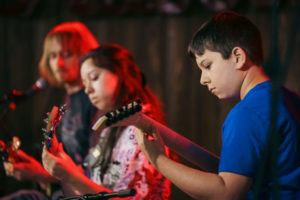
{"points": [[203, 79]]}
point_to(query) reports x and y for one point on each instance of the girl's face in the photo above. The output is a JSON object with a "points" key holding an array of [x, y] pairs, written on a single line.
{"points": [[220, 75], [100, 85], [64, 64]]}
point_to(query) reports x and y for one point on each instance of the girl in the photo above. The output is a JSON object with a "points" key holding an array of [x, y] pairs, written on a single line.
{"points": [[112, 79]]}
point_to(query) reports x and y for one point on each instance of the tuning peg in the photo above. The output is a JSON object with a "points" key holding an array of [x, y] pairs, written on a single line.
{"points": [[63, 107], [120, 114], [131, 109], [114, 116], [46, 135], [44, 130], [138, 101], [121, 109], [138, 108], [108, 115], [46, 120], [108, 122], [125, 111]]}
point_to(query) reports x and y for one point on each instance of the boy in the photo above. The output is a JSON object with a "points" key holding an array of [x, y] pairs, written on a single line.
{"points": [[228, 51]]}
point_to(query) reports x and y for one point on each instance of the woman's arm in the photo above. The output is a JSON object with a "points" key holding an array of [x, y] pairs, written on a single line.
{"points": [[28, 168]]}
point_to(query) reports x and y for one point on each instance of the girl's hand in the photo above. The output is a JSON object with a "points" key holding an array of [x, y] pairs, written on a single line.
{"points": [[59, 164]]}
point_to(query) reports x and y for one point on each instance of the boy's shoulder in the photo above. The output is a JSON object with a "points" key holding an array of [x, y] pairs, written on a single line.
{"points": [[254, 108], [256, 100]]}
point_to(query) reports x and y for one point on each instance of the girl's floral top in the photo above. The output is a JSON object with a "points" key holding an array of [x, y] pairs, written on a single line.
{"points": [[129, 168]]}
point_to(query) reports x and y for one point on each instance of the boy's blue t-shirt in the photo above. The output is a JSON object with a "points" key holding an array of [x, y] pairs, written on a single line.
{"points": [[245, 139]]}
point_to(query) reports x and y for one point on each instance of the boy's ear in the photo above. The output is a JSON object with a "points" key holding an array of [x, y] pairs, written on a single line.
{"points": [[239, 57]]}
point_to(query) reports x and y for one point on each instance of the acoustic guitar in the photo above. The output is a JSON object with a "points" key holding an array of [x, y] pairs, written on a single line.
{"points": [[8, 152], [52, 122]]}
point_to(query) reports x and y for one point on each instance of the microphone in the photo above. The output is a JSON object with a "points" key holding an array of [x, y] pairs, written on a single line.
{"points": [[17, 97], [104, 195], [40, 84]]}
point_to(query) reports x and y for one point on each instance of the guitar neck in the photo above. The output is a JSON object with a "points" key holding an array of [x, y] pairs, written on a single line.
{"points": [[131, 115], [189, 150]]}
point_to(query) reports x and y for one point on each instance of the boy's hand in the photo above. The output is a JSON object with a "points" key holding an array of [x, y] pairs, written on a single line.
{"points": [[151, 144]]}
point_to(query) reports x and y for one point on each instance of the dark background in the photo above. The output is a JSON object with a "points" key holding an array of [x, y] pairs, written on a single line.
{"points": [[157, 33]]}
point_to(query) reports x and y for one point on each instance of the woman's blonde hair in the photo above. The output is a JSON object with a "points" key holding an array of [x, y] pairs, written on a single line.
{"points": [[73, 35]]}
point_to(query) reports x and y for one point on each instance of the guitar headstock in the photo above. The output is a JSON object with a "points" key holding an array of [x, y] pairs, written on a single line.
{"points": [[118, 114], [52, 123]]}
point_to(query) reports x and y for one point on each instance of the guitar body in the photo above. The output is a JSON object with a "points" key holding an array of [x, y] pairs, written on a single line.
{"points": [[131, 115], [9, 154]]}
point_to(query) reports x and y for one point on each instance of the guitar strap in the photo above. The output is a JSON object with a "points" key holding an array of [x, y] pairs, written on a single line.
{"points": [[100, 155]]}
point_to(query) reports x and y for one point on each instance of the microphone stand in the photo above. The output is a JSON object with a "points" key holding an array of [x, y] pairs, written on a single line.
{"points": [[103, 195], [9, 102], [6, 105], [14, 97], [86, 197]]}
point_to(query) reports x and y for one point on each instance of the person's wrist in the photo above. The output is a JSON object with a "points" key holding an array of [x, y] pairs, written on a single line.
{"points": [[44, 176], [160, 158], [69, 175]]}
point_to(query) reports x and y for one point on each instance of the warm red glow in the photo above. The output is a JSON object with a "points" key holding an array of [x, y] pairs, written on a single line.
{"points": [[12, 106]]}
